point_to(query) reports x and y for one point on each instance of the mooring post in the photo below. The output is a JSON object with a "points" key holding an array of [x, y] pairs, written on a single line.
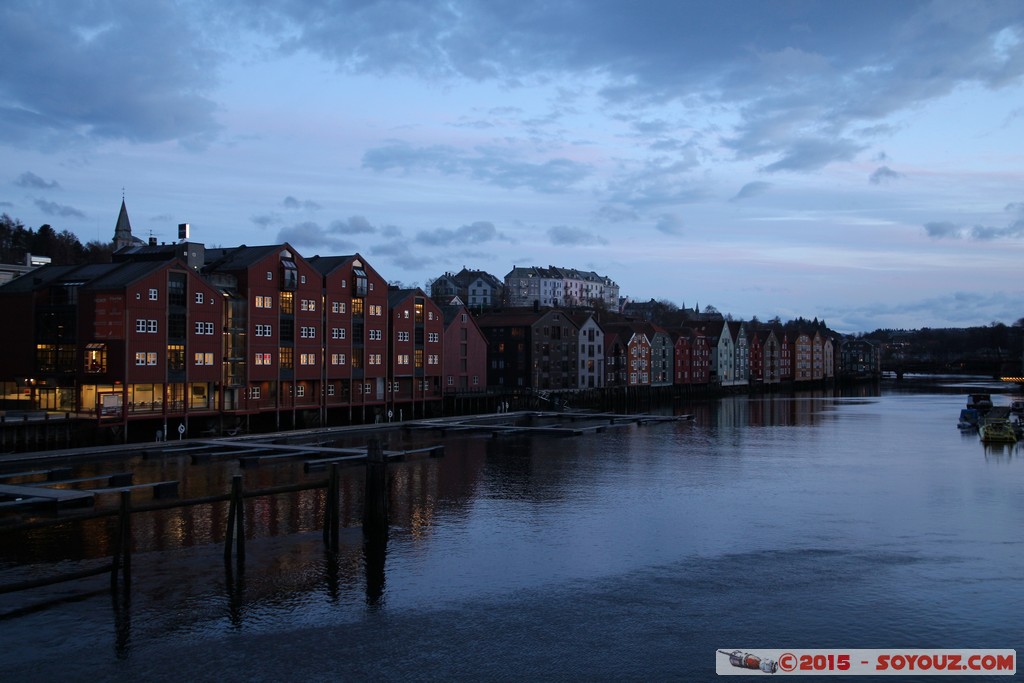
{"points": [[123, 542], [236, 522], [375, 505], [236, 494], [331, 514]]}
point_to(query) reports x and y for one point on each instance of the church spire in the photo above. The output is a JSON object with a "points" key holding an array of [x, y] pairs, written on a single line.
{"points": [[123, 229]]}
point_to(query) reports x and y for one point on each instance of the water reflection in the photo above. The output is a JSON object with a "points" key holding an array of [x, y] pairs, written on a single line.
{"points": [[825, 477]]}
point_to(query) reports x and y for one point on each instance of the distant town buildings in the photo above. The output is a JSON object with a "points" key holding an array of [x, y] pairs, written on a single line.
{"points": [[215, 338]]}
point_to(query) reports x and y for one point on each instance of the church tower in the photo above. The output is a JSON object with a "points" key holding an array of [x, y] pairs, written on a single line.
{"points": [[123, 229]]}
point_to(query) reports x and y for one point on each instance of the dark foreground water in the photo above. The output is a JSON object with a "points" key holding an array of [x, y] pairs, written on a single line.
{"points": [[816, 521]]}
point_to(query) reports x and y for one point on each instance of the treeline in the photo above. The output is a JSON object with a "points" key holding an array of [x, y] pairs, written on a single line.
{"points": [[63, 248], [996, 341]]}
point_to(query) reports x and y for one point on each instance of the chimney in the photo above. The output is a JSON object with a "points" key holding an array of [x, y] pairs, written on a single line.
{"points": [[152, 240]]}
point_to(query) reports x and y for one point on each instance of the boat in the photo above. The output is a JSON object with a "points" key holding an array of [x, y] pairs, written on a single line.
{"points": [[968, 420], [997, 431], [980, 402]]}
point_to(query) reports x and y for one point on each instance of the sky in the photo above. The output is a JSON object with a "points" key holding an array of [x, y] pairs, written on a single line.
{"points": [[857, 162]]}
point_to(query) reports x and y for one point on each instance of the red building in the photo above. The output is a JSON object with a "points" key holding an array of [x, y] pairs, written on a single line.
{"points": [[415, 352], [354, 337], [464, 363]]}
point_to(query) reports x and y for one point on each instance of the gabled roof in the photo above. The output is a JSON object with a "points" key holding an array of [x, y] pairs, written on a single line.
{"points": [[328, 264], [128, 272], [241, 257]]}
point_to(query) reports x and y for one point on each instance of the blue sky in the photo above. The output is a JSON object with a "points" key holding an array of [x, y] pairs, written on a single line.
{"points": [[859, 162]]}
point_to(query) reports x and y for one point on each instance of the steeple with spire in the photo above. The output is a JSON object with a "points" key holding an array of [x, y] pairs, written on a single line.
{"points": [[123, 229]]}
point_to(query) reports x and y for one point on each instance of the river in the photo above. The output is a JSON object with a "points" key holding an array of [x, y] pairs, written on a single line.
{"points": [[859, 519]]}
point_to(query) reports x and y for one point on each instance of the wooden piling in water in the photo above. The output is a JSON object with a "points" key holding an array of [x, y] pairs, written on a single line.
{"points": [[375, 503], [236, 522], [123, 544]]}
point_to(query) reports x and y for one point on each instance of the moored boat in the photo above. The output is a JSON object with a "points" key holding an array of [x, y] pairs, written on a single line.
{"points": [[968, 419], [997, 431]]}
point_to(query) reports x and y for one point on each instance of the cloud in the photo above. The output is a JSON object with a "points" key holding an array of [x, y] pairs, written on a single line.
{"points": [[884, 174], [32, 181], [615, 214], [569, 236], [294, 204], [54, 209], [669, 224], [313, 237], [474, 233], [752, 189], [266, 220], [981, 233], [812, 154], [117, 70], [353, 225], [491, 166], [401, 256]]}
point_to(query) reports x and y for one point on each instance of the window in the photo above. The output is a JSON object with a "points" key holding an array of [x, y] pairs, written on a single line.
{"points": [[140, 325], [451, 380], [302, 279], [307, 333], [203, 358], [338, 307], [270, 275], [140, 357], [175, 357], [330, 389], [151, 358], [199, 297], [300, 390], [375, 335], [264, 302], [264, 330], [307, 359], [96, 358], [263, 359], [403, 359], [419, 358], [357, 306], [287, 303], [337, 359], [403, 336], [287, 356], [337, 333], [433, 337], [254, 392], [376, 310], [307, 305], [204, 328], [432, 359], [153, 294]]}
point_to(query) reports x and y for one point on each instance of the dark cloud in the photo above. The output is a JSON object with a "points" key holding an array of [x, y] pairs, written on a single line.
{"points": [[32, 181], [474, 233], [353, 225], [115, 70], [266, 220], [884, 174], [54, 209], [615, 214], [402, 256], [813, 154], [295, 204], [669, 224], [568, 236], [751, 189], [489, 166], [313, 237], [982, 233]]}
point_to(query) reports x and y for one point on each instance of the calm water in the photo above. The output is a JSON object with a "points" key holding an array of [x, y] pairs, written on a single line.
{"points": [[633, 554]]}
